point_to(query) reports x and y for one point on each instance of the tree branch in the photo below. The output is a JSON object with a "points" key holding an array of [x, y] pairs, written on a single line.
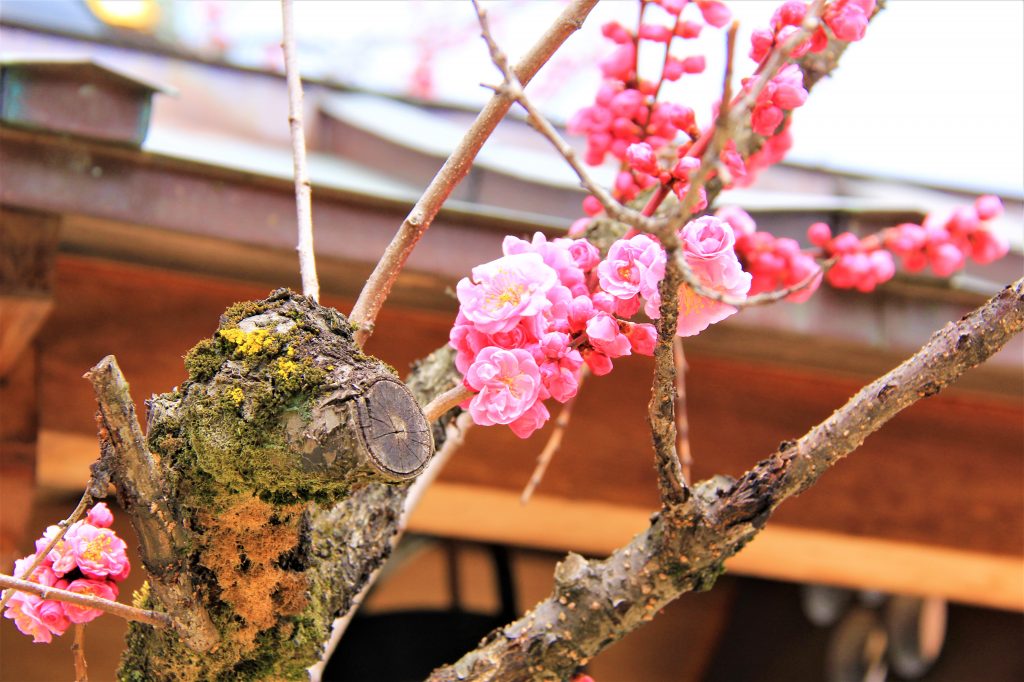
{"points": [[303, 189], [154, 618], [163, 540], [595, 603], [383, 277], [661, 416]]}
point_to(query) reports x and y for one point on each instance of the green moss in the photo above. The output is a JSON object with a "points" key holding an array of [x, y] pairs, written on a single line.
{"points": [[203, 360], [241, 310]]}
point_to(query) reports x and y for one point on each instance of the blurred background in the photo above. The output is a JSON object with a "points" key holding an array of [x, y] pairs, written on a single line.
{"points": [[145, 184]]}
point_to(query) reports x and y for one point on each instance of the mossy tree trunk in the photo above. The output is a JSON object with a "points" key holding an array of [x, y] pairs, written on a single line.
{"points": [[284, 460]]}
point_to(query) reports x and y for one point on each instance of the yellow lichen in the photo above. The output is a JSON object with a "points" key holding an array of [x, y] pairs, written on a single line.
{"points": [[237, 395], [250, 343], [286, 369]]}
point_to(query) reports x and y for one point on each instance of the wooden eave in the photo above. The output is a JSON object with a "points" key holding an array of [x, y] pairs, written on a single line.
{"points": [[153, 247]]}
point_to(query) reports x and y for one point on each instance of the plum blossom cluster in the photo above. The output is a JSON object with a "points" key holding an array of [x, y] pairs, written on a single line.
{"points": [[626, 111], [943, 243], [773, 262], [90, 559], [531, 319], [846, 20]]}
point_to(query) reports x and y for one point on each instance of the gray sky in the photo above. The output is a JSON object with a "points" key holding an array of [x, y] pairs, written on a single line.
{"points": [[933, 93]]}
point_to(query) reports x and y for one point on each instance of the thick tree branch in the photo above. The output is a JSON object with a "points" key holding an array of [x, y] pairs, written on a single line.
{"points": [[595, 603], [661, 416], [154, 618], [383, 277], [140, 488]]}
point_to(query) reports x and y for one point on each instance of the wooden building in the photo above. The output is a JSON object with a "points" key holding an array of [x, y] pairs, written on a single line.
{"points": [[142, 193]]}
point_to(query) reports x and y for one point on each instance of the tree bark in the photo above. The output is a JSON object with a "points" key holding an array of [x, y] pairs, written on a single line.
{"points": [[284, 459]]}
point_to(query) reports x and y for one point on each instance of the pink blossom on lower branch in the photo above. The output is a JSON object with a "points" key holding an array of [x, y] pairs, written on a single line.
{"points": [[105, 589], [508, 384], [23, 609], [709, 250]]}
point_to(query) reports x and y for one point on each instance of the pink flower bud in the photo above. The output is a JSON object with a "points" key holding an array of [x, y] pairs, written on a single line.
{"points": [[642, 338], [694, 64], [766, 119], [714, 12], [689, 29], [100, 516], [945, 259], [642, 158], [655, 33], [673, 69], [988, 207], [617, 33], [761, 42], [820, 234], [847, 242], [988, 246]]}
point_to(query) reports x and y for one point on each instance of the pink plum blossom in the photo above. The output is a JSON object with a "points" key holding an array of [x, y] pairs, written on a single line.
{"points": [[23, 609], [642, 337], [708, 246], [98, 552], [633, 266], [504, 291], [606, 337], [60, 558], [531, 420], [100, 516], [508, 382], [105, 589]]}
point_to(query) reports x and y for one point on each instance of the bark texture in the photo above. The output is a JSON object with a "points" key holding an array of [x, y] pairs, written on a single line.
{"points": [[283, 458]]}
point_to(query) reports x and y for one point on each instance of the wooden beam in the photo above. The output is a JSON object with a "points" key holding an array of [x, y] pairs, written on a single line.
{"points": [[28, 248], [19, 418], [780, 552]]}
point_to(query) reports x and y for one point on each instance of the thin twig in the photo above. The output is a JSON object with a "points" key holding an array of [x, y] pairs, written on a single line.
{"points": [[693, 282], [78, 649], [379, 284], [303, 189], [554, 442], [63, 528], [682, 420], [446, 401], [513, 88], [154, 618], [720, 133]]}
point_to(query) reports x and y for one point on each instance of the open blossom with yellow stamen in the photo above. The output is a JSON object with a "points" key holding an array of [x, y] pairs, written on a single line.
{"points": [[506, 290]]}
